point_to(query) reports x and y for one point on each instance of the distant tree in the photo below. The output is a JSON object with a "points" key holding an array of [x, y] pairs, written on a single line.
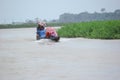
{"points": [[37, 20], [13, 22], [66, 17], [54, 21], [29, 21], [44, 20], [117, 11], [85, 16], [103, 10]]}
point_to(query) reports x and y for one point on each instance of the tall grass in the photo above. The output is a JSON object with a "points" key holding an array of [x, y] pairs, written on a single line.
{"points": [[95, 29]]}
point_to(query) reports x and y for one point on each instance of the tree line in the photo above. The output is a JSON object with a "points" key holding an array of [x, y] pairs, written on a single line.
{"points": [[81, 17], [86, 16]]}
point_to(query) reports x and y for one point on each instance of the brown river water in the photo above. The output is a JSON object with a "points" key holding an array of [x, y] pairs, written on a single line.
{"points": [[24, 58]]}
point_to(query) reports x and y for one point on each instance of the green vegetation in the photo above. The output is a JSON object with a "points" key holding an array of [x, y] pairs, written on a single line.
{"points": [[95, 29], [55, 24], [24, 25], [27, 25]]}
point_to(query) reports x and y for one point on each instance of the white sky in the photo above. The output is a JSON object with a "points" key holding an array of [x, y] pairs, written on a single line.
{"points": [[20, 10]]}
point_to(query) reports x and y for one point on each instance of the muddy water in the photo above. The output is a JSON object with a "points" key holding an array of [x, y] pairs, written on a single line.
{"points": [[24, 58]]}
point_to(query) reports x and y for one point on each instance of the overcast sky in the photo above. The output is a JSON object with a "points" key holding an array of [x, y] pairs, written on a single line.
{"points": [[20, 10]]}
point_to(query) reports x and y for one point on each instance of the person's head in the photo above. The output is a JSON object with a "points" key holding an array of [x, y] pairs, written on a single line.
{"points": [[41, 26]]}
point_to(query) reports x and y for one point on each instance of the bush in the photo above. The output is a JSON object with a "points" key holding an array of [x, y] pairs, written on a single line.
{"points": [[95, 29]]}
